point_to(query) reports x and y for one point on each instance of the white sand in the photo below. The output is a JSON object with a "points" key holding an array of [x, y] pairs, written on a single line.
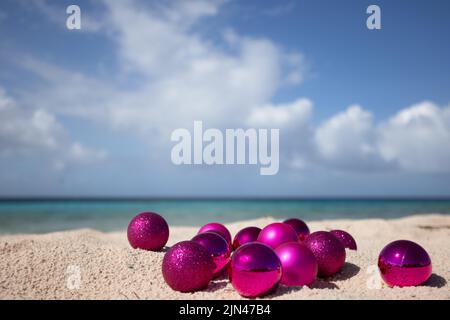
{"points": [[45, 266]]}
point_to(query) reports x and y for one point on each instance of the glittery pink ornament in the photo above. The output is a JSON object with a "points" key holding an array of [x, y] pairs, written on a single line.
{"points": [[346, 239], [187, 266], [298, 264], [254, 270], [246, 235], [404, 263], [328, 250], [148, 231], [217, 228], [299, 226], [217, 247], [276, 234]]}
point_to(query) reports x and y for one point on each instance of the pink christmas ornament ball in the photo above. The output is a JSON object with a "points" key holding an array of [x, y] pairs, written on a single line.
{"points": [[246, 235], [346, 238], [299, 265], [328, 250], [187, 266], [299, 226], [254, 270], [217, 228], [148, 231], [276, 234], [217, 247], [404, 263]]}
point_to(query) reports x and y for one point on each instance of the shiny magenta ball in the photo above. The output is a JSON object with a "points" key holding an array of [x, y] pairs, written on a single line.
{"points": [[404, 263], [217, 228], [276, 234], [217, 247], [299, 265], [254, 270], [328, 250], [346, 238], [148, 231], [299, 226], [246, 235], [187, 266]]}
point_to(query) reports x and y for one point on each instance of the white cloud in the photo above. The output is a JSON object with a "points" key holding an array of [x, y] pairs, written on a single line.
{"points": [[66, 92], [37, 132], [185, 76], [83, 154], [21, 130], [347, 139], [185, 13], [5, 101], [196, 81], [157, 41], [181, 72], [281, 116], [417, 138], [293, 120]]}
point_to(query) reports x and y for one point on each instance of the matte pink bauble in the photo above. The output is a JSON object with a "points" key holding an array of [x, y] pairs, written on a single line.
{"points": [[217, 228], [217, 247], [276, 234], [148, 231], [328, 250], [254, 270], [298, 263], [404, 263], [187, 266], [299, 226], [346, 238], [246, 235]]}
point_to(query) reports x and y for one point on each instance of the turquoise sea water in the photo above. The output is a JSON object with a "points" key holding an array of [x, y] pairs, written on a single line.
{"points": [[110, 215]]}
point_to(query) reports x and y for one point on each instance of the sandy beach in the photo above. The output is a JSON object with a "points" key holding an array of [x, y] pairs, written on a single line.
{"points": [[87, 264]]}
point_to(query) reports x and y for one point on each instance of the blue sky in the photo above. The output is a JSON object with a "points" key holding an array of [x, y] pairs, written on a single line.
{"points": [[90, 111]]}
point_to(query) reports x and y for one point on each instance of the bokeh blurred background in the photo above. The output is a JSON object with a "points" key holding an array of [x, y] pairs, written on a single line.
{"points": [[88, 113]]}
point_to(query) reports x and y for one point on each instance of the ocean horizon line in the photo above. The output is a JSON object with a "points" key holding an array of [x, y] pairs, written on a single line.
{"points": [[218, 198], [46, 214]]}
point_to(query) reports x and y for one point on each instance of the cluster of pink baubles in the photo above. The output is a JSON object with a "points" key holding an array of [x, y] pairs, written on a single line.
{"points": [[257, 260]]}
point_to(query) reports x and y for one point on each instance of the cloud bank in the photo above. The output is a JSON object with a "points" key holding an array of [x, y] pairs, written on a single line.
{"points": [[170, 72], [37, 132]]}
